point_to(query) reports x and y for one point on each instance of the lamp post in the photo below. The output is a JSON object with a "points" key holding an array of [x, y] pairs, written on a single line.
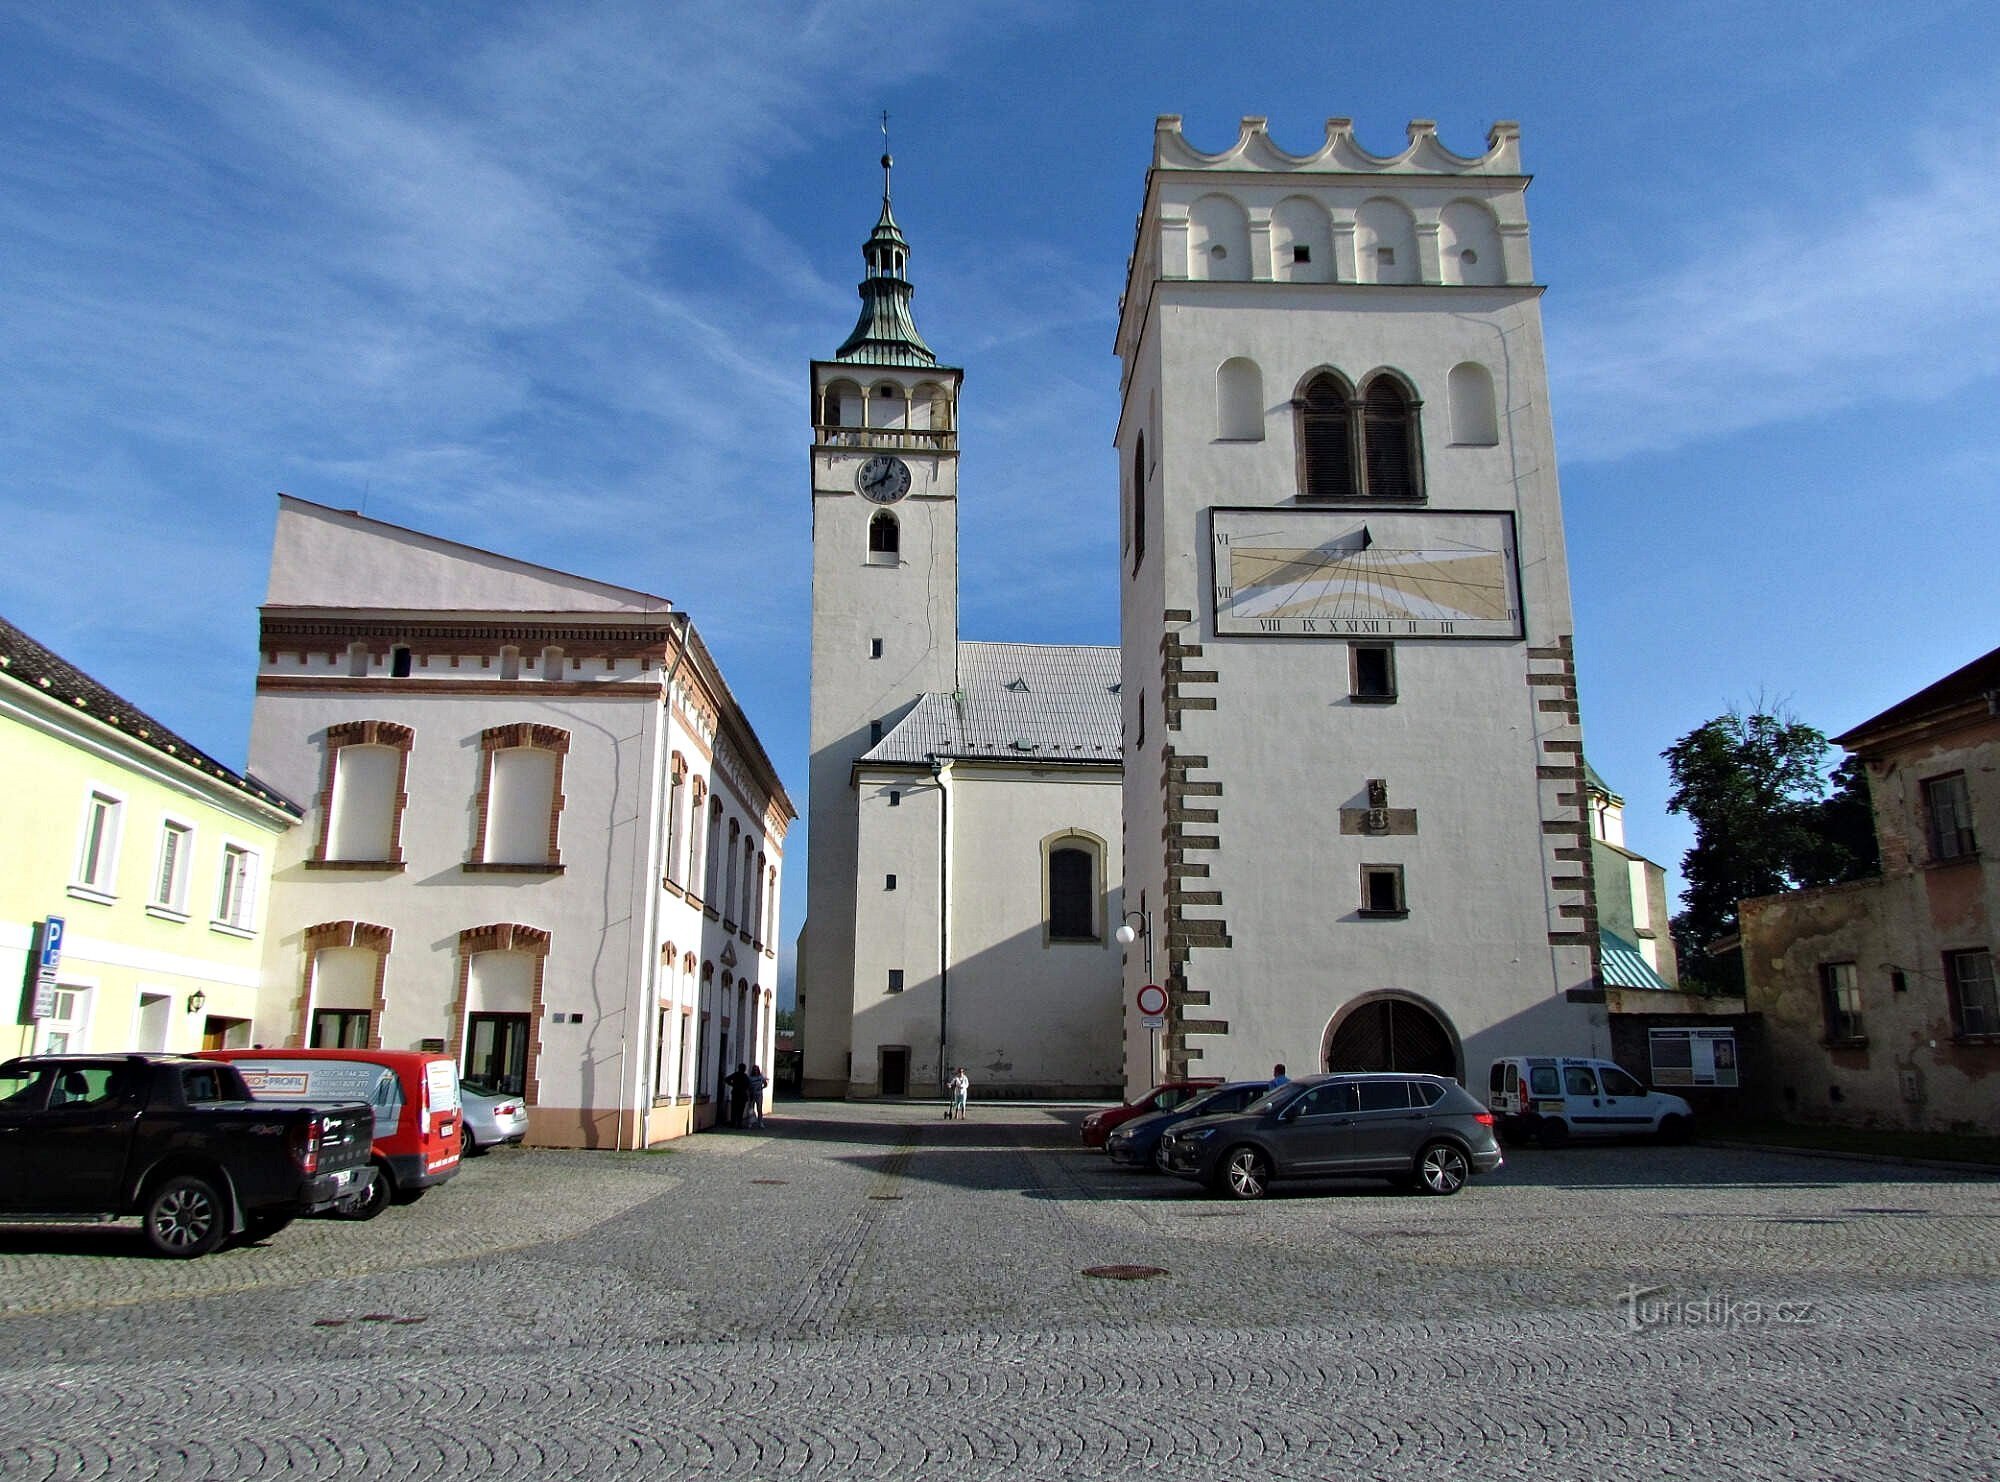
{"points": [[1127, 934]]}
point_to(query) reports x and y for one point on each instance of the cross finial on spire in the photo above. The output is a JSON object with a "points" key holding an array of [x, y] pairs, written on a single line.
{"points": [[886, 160]]}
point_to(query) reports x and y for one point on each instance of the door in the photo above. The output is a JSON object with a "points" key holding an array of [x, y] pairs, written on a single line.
{"points": [[75, 1157], [1584, 1107], [23, 1094], [1388, 1129], [895, 1071], [1315, 1133], [1628, 1106]]}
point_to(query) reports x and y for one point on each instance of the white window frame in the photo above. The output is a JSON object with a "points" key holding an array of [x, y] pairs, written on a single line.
{"points": [[171, 904], [83, 994], [99, 885], [243, 922]]}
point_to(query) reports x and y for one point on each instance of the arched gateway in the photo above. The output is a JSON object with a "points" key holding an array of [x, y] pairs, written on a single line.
{"points": [[1393, 1031]]}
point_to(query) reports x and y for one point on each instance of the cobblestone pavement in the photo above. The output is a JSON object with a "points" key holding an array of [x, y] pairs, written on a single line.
{"points": [[872, 1291]]}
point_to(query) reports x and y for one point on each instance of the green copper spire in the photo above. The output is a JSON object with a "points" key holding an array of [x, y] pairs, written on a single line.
{"points": [[885, 334]]}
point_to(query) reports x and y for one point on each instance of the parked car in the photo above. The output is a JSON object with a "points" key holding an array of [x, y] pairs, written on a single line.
{"points": [[1419, 1130], [414, 1094], [1552, 1098], [177, 1142], [1137, 1143], [489, 1117], [1163, 1097]]}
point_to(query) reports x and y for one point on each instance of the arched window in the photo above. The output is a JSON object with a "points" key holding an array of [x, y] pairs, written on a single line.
{"points": [[1389, 438], [1473, 418], [1326, 455], [346, 964], [840, 404], [361, 806], [520, 796], [746, 906], [677, 796], [1138, 500], [885, 539], [500, 999], [1239, 400], [711, 870], [729, 901], [696, 813], [1072, 871], [930, 409]]}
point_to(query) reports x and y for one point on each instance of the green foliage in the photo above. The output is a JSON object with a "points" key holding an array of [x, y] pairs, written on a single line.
{"points": [[1765, 820]]}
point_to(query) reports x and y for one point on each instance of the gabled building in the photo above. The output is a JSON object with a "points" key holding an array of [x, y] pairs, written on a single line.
{"points": [[141, 862], [539, 832], [1878, 996]]}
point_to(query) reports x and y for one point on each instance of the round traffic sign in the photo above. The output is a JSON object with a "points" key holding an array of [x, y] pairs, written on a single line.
{"points": [[1152, 999]]}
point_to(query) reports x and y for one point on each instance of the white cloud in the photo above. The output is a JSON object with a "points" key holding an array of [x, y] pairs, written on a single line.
{"points": [[1836, 304]]}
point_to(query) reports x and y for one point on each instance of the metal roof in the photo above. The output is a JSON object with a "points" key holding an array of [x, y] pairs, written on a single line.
{"points": [[1626, 967], [885, 334], [1017, 701], [42, 670]]}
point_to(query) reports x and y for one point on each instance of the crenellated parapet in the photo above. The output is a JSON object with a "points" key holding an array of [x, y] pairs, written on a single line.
{"points": [[1340, 154]]}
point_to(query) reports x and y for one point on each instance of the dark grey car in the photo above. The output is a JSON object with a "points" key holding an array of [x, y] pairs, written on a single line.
{"points": [[1420, 1130]]}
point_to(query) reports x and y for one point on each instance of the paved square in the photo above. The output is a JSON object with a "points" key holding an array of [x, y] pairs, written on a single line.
{"points": [[876, 1292]]}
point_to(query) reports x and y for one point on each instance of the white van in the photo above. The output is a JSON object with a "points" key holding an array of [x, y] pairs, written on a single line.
{"points": [[1552, 1098]]}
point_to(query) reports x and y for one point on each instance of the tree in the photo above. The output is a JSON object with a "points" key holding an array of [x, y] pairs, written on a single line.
{"points": [[1756, 789]]}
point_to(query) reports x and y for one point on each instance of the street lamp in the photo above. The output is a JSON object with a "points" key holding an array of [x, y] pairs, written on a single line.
{"points": [[1127, 934]]}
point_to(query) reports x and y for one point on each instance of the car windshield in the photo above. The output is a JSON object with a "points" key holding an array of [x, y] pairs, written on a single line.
{"points": [[1206, 1103], [1270, 1098]]}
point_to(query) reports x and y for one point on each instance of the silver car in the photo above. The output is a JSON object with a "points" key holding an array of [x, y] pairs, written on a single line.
{"points": [[489, 1117], [1422, 1131]]}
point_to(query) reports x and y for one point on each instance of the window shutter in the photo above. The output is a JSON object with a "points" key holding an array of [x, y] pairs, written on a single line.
{"points": [[1324, 441], [1386, 433]]}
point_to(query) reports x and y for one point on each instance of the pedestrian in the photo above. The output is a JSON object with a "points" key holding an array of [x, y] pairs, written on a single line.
{"points": [[737, 1083], [961, 1087], [1278, 1076], [758, 1081]]}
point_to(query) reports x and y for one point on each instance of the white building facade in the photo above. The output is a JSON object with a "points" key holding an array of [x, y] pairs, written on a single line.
{"points": [[540, 833], [1354, 798], [964, 849]]}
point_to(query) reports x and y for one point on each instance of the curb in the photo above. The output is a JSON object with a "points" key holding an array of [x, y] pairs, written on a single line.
{"points": [[1984, 1170]]}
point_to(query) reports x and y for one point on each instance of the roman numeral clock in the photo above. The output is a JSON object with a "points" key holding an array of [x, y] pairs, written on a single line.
{"points": [[1320, 573]]}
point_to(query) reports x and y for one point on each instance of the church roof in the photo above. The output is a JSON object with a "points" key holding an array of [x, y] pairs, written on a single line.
{"points": [[1017, 701], [886, 333]]}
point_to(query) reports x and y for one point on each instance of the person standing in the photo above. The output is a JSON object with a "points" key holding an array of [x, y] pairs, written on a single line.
{"points": [[754, 1115], [961, 1087], [1278, 1076], [737, 1083]]}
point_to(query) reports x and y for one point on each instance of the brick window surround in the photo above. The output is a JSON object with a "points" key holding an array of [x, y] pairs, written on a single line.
{"points": [[316, 939], [364, 733], [492, 741], [502, 936]]}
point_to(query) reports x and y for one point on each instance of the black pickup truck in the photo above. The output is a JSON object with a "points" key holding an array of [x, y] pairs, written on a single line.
{"points": [[177, 1142]]}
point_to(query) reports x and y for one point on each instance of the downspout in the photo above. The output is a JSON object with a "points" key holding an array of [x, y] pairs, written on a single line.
{"points": [[649, 958], [940, 773]]}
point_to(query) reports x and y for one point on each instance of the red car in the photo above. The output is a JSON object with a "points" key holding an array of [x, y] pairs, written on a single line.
{"points": [[1163, 1097]]}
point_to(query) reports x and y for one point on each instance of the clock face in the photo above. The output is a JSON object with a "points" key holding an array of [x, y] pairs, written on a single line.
{"points": [[1347, 573], [883, 479]]}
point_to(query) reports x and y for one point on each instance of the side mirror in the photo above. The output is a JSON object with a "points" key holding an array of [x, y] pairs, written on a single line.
{"points": [[1289, 1112]]}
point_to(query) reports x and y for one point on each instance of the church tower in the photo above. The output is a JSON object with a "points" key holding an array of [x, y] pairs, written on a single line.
{"points": [[884, 600], [1354, 807]]}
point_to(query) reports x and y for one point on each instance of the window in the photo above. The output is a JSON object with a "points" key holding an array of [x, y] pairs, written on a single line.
{"points": [[1389, 438], [520, 800], [97, 850], [711, 872], [1840, 993], [1138, 500], [361, 808], [339, 1029], [677, 794], [1384, 1096], [171, 874], [1325, 457], [1617, 1083], [1969, 979], [1372, 673], [1382, 890], [884, 539], [874, 732], [1948, 812], [895, 980], [1543, 1081], [63, 1028], [1329, 1099], [696, 813], [496, 1052], [399, 662], [874, 648], [889, 882], [1072, 869], [237, 895], [1302, 252], [1579, 1080], [895, 799]]}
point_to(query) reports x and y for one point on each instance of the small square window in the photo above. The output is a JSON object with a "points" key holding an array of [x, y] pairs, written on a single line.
{"points": [[895, 800], [399, 662], [1301, 252], [1372, 673], [1382, 891], [889, 883], [874, 731], [874, 648], [1386, 256], [895, 980]]}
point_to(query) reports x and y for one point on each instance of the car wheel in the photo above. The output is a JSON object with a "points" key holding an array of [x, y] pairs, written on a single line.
{"points": [[1675, 1128], [1442, 1168], [1244, 1173], [468, 1145], [371, 1203], [185, 1217], [1553, 1132]]}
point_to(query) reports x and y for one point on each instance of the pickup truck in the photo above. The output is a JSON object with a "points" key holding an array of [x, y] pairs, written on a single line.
{"points": [[177, 1142]]}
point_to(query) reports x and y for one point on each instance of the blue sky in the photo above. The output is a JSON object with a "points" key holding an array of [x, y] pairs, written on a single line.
{"points": [[547, 279]]}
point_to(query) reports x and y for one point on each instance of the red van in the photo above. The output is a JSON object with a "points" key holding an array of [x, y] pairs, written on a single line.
{"points": [[414, 1095]]}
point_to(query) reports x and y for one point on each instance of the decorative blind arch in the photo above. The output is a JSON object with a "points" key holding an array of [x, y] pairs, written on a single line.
{"points": [[361, 812]]}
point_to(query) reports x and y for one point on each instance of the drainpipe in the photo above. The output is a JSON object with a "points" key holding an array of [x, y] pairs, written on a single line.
{"points": [[939, 774], [649, 957]]}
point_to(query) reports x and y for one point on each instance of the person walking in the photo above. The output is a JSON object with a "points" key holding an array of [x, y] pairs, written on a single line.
{"points": [[961, 1087], [754, 1113], [1278, 1076]]}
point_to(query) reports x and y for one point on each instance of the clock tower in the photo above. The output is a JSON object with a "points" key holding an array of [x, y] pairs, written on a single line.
{"points": [[884, 601]]}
